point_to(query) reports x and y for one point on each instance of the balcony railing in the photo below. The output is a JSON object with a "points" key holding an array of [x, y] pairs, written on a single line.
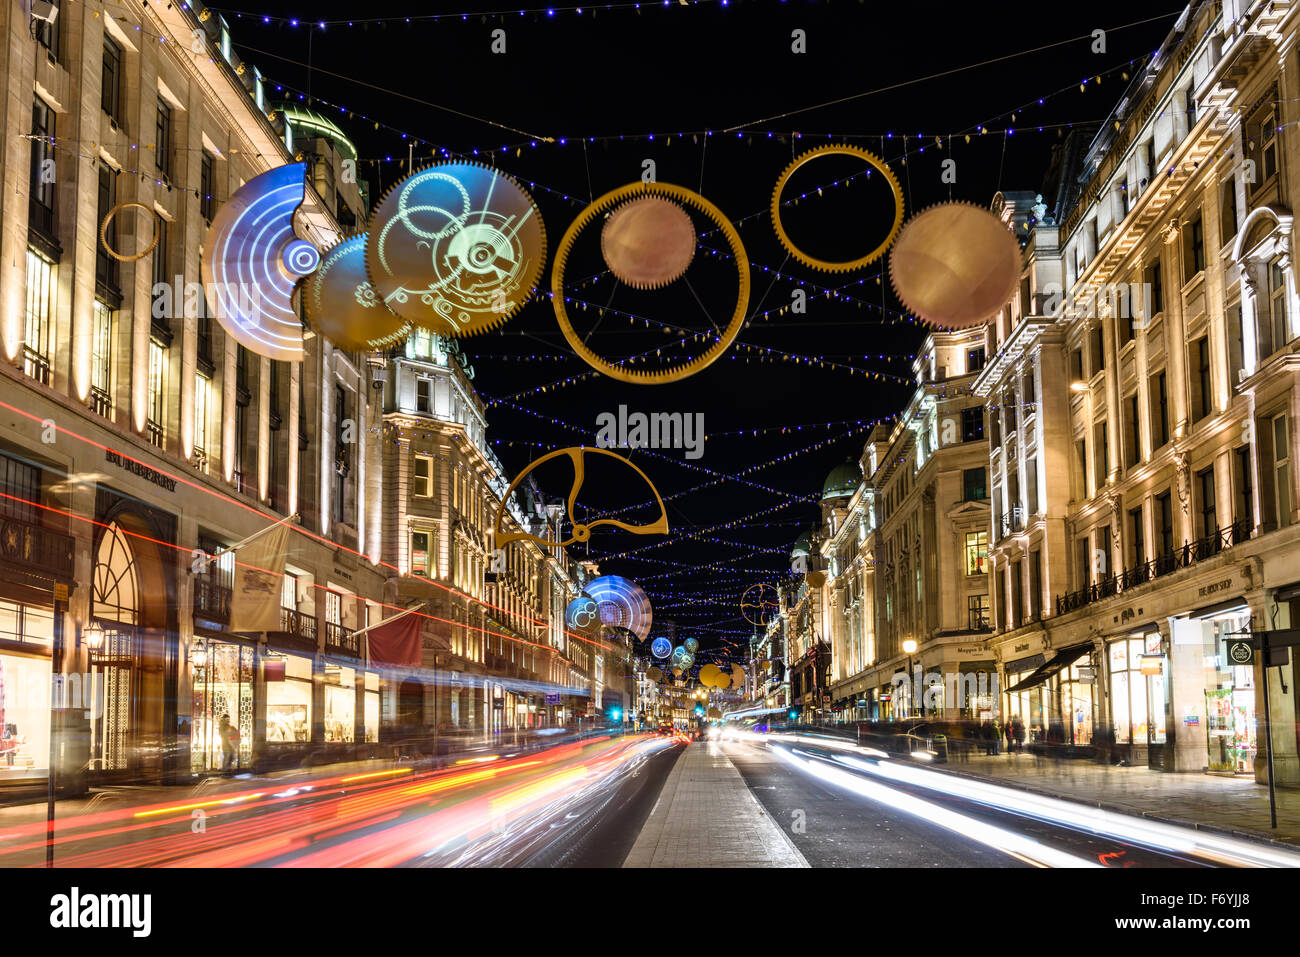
{"points": [[155, 432], [1013, 521], [101, 401], [342, 638], [298, 625], [1189, 554], [211, 600], [35, 548], [36, 365]]}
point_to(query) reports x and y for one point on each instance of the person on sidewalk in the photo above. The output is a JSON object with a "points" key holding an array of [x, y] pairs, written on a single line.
{"points": [[1018, 726], [1011, 736], [229, 742], [997, 736]]}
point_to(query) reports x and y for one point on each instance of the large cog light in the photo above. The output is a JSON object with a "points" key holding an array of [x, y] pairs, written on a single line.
{"points": [[252, 260], [456, 248], [341, 305], [622, 604]]}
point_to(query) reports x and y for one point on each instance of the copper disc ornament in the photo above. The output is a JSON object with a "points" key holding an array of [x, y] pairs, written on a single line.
{"points": [[342, 306], [648, 243], [955, 265]]}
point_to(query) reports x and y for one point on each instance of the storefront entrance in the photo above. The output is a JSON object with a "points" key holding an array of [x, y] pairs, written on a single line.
{"points": [[221, 735], [1138, 695]]}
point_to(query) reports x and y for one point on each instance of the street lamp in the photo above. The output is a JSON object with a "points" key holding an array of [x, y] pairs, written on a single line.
{"points": [[909, 648], [94, 635]]}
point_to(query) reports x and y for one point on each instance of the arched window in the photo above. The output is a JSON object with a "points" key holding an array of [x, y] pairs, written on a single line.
{"points": [[1263, 254], [116, 585]]}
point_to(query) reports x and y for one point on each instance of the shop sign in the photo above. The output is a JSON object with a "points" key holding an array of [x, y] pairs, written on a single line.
{"points": [[1214, 588], [273, 669], [1241, 652], [60, 592], [140, 469], [498, 704], [1153, 664], [552, 699]]}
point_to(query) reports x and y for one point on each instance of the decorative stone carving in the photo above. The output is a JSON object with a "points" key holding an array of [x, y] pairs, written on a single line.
{"points": [[1183, 469], [1169, 232]]}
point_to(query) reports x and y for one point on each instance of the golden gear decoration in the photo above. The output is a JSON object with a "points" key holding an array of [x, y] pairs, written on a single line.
{"points": [[340, 304], [103, 232], [759, 601], [837, 149], [492, 226], [581, 532], [648, 243], [684, 197], [955, 264]]}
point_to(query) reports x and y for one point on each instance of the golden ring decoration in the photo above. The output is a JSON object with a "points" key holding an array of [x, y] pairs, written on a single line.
{"points": [[103, 232], [683, 196], [837, 149], [581, 532]]}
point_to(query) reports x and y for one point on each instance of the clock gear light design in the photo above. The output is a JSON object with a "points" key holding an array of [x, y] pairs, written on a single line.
{"points": [[456, 248], [648, 243], [621, 603], [834, 149], [252, 262], [682, 196], [581, 532], [342, 306]]}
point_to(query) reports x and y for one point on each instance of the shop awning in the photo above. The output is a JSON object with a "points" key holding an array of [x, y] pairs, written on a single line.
{"points": [[1062, 659]]}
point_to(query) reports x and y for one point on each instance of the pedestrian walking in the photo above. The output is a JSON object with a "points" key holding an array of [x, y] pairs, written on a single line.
{"points": [[229, 742]]}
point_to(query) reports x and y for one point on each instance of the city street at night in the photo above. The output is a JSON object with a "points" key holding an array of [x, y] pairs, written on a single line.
{"points": [[742, 440]]}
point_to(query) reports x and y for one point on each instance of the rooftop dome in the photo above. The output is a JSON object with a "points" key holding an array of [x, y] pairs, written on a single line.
{"points": [[842, 481], [802, 545]]}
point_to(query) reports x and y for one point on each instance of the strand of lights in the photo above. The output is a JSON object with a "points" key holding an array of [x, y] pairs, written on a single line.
{"points": [[792, 496]]}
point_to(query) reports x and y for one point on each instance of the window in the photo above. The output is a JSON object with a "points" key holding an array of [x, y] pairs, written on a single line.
{"points": [[1277, 304], [1154, 281], [422, 554], [207, 187], [1100, 454], [975, 484], [1149, 154], [1227, 210], [47, 35], [1261, 145], [107, 268], [1194, 249], [289, 592], [975, 359], [1159, 411], [1165, 523], [1036, 584], [1236, 342], [39, 318], [1202, 394], [202, 398], [162, 151], [972, 424], [1137, 537], [423, 391], [157, 390], [1082, 561], [1098, 345], [977, 612], [23, 482], [161, 279], [41, 194], [1245, 486], [423, 484], [110, 94], [1209, 518], [1132, 452], [1081, 467], [1281, 472], [1125, 199], [101, 358], [977, 552], [1076, 365]]}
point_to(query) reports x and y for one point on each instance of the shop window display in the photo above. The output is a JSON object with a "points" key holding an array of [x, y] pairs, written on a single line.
{"points": [[1137, 698], [221, 736], [340, 703], [288, 703], [1231, 727], [1077, 702], [24, 717], [371, 714]]}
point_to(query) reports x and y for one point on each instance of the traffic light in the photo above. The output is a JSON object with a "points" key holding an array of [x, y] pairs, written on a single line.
{"points": [[615, 713], [699, 710], [793, 714]]}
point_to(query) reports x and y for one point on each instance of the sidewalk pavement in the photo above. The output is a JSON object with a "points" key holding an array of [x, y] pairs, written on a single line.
{"points": [[706, 816], [1234, 805]]}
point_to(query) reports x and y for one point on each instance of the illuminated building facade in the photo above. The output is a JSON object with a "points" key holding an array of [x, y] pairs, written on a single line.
{"points": [[1143, 402]]}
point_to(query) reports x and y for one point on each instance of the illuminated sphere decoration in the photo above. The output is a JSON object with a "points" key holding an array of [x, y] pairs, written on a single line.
{"points": [[580, 615], [691, 645], [955, 264], [654, 673], [252, 261], [661, 647], [648, 242], [456, 248], [621, 603], [341, 305]]}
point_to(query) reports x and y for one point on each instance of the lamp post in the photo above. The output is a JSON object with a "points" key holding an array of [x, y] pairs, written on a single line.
{"points": [[909, 648]]}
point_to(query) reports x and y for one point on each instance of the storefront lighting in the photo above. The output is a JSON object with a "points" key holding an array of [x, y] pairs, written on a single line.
{"points": [[1078, 387], [909, 646], [94, 635]]}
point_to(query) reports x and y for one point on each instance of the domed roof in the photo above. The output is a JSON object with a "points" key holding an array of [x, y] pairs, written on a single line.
{"points": [[802, 545], [842, 481]]}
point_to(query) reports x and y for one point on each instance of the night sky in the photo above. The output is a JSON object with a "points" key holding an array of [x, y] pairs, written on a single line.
{"points": [[676, 72]]}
